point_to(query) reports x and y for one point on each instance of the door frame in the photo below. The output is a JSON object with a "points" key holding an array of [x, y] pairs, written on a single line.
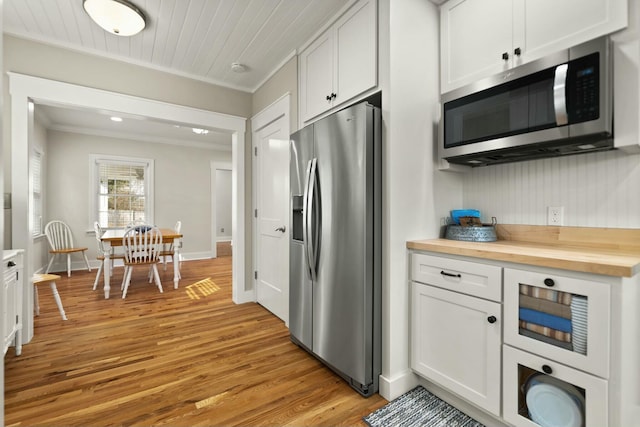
{"points": [[24, 88], [280, 108], [216, 166]]}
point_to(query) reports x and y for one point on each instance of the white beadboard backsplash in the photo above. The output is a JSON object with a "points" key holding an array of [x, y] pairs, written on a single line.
{"points": [[596, 190]]}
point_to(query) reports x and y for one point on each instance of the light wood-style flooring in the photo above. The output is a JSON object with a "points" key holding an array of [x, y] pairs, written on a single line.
{"points": [[186, 357]]}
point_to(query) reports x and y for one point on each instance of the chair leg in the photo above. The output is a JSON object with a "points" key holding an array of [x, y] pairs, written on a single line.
{"points": [[53, 256], [95, 282], [127, 281], [36, 299], [86, 260], [68, 265], [157, 276], [56, 296]]}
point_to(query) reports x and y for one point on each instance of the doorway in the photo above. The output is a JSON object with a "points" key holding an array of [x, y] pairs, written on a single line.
{"points": [[221, 206]]}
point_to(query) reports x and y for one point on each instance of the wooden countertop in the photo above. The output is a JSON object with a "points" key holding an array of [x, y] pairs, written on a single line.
{"points": [[607, 251]]}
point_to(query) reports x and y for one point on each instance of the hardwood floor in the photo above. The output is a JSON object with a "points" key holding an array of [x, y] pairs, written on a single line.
{"points": [[186, 357]]}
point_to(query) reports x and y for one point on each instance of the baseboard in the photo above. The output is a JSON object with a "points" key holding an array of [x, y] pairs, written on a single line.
{"points": [[221, 239], [397, 386]]}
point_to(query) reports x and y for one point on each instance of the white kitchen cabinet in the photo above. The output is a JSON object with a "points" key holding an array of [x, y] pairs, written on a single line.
{"points": [[593, 354], [519, 366], [341, 63], [456, 338], [484, 37], [12, 299]]}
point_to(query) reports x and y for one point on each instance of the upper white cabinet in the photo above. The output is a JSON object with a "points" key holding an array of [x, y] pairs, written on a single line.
{"points": [[484, 37], [341, 63]]}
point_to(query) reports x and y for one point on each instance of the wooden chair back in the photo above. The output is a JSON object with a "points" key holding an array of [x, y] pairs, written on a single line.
{"points": [[59, 235], [142, 247]]}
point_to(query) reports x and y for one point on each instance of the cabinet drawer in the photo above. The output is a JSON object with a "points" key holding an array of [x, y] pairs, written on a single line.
{"points": [[562, 318], [519, 367], [470, 278]]}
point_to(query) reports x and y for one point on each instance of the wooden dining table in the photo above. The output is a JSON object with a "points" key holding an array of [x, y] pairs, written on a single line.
{"points": [[113, 237]]}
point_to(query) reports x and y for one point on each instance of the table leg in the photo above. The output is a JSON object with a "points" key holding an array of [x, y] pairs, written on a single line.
{"points": [[107, 270], [176, 263]]}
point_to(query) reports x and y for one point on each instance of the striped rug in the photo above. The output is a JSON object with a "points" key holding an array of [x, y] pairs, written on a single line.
{"points": [[418, 407]]}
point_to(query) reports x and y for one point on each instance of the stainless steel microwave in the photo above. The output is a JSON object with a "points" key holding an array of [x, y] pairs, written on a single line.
{"points": [[558, 105]]}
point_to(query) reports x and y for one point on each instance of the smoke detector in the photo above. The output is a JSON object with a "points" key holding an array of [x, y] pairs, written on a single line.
{"points": [[237, 67]]}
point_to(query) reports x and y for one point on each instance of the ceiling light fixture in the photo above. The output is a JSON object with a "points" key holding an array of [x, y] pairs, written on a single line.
{"points": [[116, 119], [118, 17], [200, 131]]}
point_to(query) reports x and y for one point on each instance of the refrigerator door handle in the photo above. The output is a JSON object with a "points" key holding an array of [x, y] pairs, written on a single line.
{"points": [[310, 247], [305, 215]]}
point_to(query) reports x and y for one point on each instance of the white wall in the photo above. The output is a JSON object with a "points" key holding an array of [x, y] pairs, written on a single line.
{"points": [[223, 205], [416, 194], [182, 177]]}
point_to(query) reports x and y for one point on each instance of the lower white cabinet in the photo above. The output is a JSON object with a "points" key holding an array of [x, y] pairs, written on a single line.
{"points": [[585, 402], [12, 298], [456, 343]]}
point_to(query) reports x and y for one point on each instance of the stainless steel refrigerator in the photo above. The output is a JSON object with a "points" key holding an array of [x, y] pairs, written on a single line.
{"points": [[336, 230]]}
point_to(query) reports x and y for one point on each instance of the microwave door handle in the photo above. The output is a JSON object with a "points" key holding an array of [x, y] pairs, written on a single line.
{"points": [[559, 94]]}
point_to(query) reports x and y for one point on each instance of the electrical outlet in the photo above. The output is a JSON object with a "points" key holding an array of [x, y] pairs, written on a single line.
{"points": [[222, 230], [555, 215]]}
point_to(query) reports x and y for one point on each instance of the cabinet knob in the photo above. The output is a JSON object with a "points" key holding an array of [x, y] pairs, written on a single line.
{"points": [[329, 97], [505, 56], [492, 319], [547, 369], [549, 282], [517, 51], [11, 264]]}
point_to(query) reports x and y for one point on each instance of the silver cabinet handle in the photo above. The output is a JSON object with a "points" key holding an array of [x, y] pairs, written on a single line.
{"points": [[281, 229]]}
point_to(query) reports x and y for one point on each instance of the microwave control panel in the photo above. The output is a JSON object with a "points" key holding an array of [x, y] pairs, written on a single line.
{"points": [[583, 89]]}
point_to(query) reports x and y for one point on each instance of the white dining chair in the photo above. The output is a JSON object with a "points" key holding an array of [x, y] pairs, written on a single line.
{"points": [[141, 248], [113, 255], [61, 243]]}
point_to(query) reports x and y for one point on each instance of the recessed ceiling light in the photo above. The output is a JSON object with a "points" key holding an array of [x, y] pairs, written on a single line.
{"points": [[200, 131], [118, 17], [116, 119]]}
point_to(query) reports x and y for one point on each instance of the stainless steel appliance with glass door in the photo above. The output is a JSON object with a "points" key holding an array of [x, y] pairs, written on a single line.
{"points": [[335, 256]]}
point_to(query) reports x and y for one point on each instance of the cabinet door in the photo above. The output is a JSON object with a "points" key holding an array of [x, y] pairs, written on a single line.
{"points": [[580, 309], [542, 27], [520, 367], [355, 44], [474, 34], [455, 342], [316, 77]]}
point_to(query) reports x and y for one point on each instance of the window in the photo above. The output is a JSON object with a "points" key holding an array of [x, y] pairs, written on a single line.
{"points": [[123, 191], [35, 163]]}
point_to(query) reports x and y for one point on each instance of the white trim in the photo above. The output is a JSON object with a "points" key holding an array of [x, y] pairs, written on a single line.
{"points": [[50, 92], [214, 223], [390, 388]]}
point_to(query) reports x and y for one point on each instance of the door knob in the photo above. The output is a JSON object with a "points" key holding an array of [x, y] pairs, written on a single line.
{"points": [[281, 229]]}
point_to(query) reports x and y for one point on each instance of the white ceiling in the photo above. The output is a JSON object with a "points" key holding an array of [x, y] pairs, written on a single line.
{"points": [[137, 128], [199, 39], [194, 38]]}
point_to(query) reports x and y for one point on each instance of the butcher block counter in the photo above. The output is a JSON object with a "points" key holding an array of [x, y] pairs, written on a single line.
{"points": [[607, 251]]}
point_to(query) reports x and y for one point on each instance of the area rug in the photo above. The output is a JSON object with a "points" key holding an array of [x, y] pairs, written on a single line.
{"points": [[419, 407]]}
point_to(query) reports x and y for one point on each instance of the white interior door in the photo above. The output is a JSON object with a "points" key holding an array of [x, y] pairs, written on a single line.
{"points": [[272, 284]]}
